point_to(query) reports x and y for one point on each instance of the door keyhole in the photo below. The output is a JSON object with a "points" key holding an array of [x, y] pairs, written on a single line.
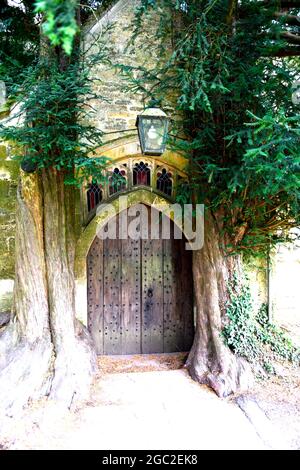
{"points": [[150, 292]]}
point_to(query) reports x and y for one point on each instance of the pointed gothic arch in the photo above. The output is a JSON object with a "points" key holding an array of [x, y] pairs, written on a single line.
{"points": [[139, 196]]}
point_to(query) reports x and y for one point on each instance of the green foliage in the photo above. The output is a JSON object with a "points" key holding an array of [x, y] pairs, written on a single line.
{"points": [[55, 115], [117, 181], [60, 24], [61, 19], [234, 106], [52, 88], [269, 179], [183, 192], [19, 40], [253, 336]]}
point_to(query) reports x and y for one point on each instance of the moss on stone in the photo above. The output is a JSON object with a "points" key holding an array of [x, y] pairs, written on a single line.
{"points": [[9, 171]]}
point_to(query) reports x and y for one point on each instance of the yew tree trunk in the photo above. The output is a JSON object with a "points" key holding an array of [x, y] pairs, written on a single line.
{"points": [[74, 356], [26, 353], [210, 362], [43, 350]]}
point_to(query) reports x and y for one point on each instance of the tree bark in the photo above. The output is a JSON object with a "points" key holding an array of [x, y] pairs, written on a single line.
{"points": [[74, 357], [210, 362], [25, 345], [43, 350]]}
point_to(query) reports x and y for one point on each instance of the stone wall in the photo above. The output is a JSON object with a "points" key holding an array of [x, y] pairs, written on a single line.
{"points": [[8, 186], [256, 271], [284, 292], [118, 110]]}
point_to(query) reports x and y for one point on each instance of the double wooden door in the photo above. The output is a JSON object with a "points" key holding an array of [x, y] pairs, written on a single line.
{"points": [[140, 295]]}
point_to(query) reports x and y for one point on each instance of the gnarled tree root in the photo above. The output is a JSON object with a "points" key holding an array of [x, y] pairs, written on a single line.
{"points": [[74, 369], [225, 379], [25, 371], [30, 371]]}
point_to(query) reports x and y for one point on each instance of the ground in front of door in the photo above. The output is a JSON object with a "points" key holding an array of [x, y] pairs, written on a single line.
{"points": [[152, 403]]}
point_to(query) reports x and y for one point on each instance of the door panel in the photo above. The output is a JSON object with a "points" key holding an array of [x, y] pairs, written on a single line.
{"points": [[140, 295], [95, 293], [184, 301], [173, 315], [112, 297], [130, 289], [152, 297]]}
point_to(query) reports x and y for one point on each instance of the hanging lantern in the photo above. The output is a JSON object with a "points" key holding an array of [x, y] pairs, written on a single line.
{"points": [[152, 125]]}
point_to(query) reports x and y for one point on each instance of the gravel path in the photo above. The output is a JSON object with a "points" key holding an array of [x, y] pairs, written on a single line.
{"points": [[140, 410], [156, 409]]}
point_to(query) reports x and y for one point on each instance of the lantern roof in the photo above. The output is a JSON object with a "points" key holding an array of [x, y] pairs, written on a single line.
{"points": [[153, 111]]}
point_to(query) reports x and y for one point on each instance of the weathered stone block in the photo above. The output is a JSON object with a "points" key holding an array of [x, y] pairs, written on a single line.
{"points": [[124, 102], [136, 109]]}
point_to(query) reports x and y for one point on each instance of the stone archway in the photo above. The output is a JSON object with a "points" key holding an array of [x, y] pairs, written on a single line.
{"points": [[84, 244]]}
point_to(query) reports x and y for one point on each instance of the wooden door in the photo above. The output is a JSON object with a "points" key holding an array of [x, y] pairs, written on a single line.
{"points": [[140, 295]]}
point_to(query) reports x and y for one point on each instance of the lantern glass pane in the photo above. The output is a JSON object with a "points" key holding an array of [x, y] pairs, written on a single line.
{"points": [[153, 132]]}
